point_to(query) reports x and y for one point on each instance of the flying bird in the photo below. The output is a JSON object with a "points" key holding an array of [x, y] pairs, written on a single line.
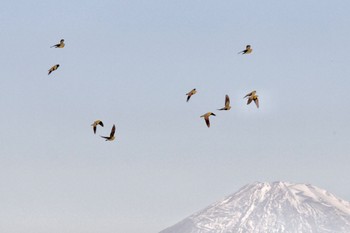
{"points": [[252, 97], [55, 67], [60, 45], [206, 117], [227, 103], [111, 135], [191, 93], [94, 125], [247, 50]]}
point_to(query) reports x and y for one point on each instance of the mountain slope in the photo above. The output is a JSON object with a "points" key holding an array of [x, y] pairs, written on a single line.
{"points": [[271, 208]]}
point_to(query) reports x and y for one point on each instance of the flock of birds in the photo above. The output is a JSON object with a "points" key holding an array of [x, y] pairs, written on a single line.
{"points": [[252, 96], [94, 125]]}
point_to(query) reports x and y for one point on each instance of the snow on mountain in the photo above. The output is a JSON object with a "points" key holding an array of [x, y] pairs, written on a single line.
{"points": [[271, 208]]}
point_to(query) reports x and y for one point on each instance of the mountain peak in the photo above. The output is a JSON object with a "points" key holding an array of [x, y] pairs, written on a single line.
{"points": [[271, 207]]}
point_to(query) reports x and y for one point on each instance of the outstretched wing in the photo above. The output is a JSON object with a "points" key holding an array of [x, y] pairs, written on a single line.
{"points": [[94, 129], [249, 100], [112, 131], [249, 94], [256, 102], [101, 123], [227, 101], [207, 121], [243, 52]]}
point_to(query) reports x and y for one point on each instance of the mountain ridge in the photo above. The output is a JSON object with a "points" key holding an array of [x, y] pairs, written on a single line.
{"points": [[276, 207]]}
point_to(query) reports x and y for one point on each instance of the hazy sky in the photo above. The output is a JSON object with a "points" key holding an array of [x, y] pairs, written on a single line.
{"points": [[130, 63]]}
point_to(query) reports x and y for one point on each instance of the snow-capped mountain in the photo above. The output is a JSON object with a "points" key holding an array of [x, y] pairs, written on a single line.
{"points": [[271, 208]]}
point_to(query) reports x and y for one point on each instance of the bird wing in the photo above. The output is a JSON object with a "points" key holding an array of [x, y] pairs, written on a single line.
{"points": [[56, 45], [227, 101], [101, 123], [249, 94], [256, 102], [249, 100], [112, 131], [188, 98], [94, 129], [207, 121]]}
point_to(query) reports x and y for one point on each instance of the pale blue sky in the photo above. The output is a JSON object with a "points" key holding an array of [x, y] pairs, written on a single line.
{"points": [[131, 63]]}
